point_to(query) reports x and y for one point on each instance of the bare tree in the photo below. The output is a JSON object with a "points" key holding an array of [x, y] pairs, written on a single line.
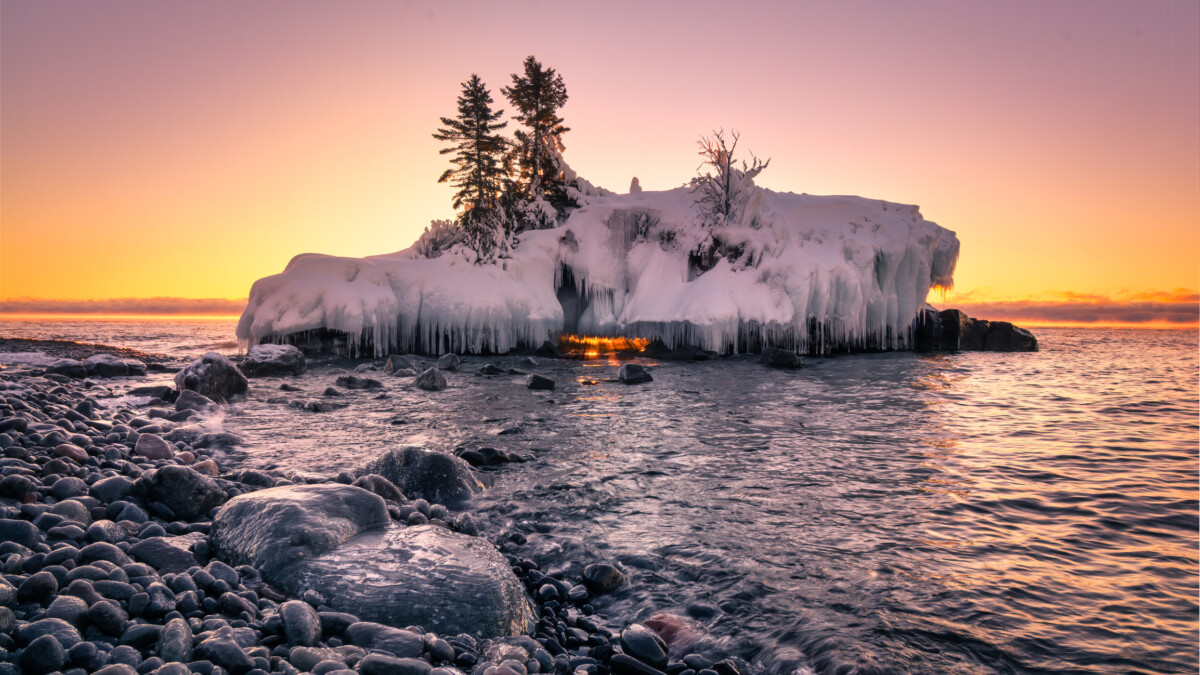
{"points": [[719, 194]]}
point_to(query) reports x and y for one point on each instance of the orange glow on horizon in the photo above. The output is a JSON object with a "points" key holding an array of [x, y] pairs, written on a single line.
{"points": [[593, 347]]}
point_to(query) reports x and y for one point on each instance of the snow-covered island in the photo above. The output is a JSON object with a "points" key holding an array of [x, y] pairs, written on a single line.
{"points": [[796, 271]]}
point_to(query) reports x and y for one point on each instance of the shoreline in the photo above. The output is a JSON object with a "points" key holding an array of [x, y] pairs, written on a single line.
{"points": [[107, 571]]}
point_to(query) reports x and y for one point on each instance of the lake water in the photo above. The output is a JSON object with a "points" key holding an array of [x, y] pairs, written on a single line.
{"points": [[968, 513]]}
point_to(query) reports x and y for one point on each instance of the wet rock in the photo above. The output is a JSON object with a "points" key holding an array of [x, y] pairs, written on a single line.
{"points": [[352, 382], [223, 650], [22, 532], [112, 489], [601, 578], [539, 383], [430, 380], [153, 447], [301, 625], [107, 617], [633, 373], [175, 642], [188, 493], [68, 608], [425, 575], [214, 376], [67, 368], [37, 588], [449, 362], [267, 360], [489, 369], [380, 486], [960, 332], [68, 486], [107, 365], [273, 528], [191, 400], [314, 406], [15, 486], [382, 664], [435, 476], [644, 645], [72, 452], [66, 634], [779, 358]]}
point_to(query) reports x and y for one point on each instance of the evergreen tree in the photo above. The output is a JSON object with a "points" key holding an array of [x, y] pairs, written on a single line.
{"points": [[479, 171], [536, 97]]}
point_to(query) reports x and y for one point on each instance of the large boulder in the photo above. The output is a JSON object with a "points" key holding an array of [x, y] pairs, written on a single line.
{"points": [[107, 365], [265, 360], [66, 367], [633, 373], [430, 380], [187, 492], [420, 473], [214, 376], [960, 332], [426, 575], [273, 528]]}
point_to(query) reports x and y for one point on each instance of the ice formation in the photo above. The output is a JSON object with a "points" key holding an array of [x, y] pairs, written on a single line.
{"points": [[796, 271]]}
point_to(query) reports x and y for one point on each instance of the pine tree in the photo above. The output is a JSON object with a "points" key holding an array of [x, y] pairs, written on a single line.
{"points": [[536, 97], [479, 170]]}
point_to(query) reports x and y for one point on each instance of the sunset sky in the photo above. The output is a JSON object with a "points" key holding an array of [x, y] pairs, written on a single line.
{"points": [[185, 149]]}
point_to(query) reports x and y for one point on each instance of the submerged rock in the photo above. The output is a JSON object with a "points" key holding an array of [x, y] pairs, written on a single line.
{"points": [[779, 358], [352, 382], [424, 575], [273, 528], [267, 359], [421, 473], [632, 373], [538, 382], [214, 376]]}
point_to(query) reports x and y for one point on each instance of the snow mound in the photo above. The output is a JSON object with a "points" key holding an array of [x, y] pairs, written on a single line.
{"points": [[800, 272]]}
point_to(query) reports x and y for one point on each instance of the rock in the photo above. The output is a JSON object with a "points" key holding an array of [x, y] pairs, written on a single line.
{"points": [[71, 451], [449, 362], [15, 486], [65, 633], [273, 528], [66, 367], [161, 391], [22, 532], [632, 373], [103, 551], [622, 664], [153, 447], [68, 608], [68, 486], [489, 369], [266, 360], [43, 655], [37, 588], [380, 486], [539, 383], [420, 473], [382, 664], [188, 493], [175, 642], [352, 382], [425, 575], [107, 617], [223, 650], [430, 380], [301, 625], [111, 489], [72, 509], [190, 400], [960, 332], [601, 578], [168, 555], [214, 376], [1002, 336], [107, 365], [779, 358], [644, 645], [401, 363]]}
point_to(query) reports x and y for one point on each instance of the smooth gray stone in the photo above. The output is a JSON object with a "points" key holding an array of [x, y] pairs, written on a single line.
{"points": [[430, 380], [266, 360], [419, 473], [426, 575], [301, 624], [633, 373], [214, 376], [272, 528], [187, 492], [167, 554]]}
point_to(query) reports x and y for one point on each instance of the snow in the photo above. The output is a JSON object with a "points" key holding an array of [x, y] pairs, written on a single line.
{"points": [[799, 271]]}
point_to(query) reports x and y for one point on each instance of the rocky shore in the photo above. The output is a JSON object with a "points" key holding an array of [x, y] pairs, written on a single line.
{"points": [[128, 546]]}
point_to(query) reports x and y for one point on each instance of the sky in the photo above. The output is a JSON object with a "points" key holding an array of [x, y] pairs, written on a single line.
{"points": [[159, 152]]}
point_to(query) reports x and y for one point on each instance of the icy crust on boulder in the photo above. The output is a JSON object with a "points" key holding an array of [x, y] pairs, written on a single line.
{"points": [[802, 272]]}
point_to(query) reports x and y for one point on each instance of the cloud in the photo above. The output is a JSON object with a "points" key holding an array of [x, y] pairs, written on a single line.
{"points": [[123, 306], [1178, 307]]}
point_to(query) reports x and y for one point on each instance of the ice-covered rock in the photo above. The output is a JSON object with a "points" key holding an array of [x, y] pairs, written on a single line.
{"points": [[796, 271], [214, 376], [269, 359]]}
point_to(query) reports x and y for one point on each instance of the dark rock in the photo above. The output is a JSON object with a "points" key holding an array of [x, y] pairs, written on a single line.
{"points": [[153, 447], [141, 635], [111, 489], [107, 617], [301, 624], [633, 373], [213, 376], [107, 365], [37, 588], [192, 400], [382, 664], [22, 532], [489, 369], [68, 486], [336, 623], [103, 551], [223, 650], [272, 528], [267, 359], [435, 476], [72, 452], [601, 578], [175, 642], [68, 608], [165, 554], [622, 664], [449, 362], [15, 486], [188, 493], [644, 645], [430, 380], [398, 642], [66, 367], [380, 486], [779, 358], [43, 655], [352, 382], [160, 391], [65, 633], [962, 333], [424, 575], [539, 383]]}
